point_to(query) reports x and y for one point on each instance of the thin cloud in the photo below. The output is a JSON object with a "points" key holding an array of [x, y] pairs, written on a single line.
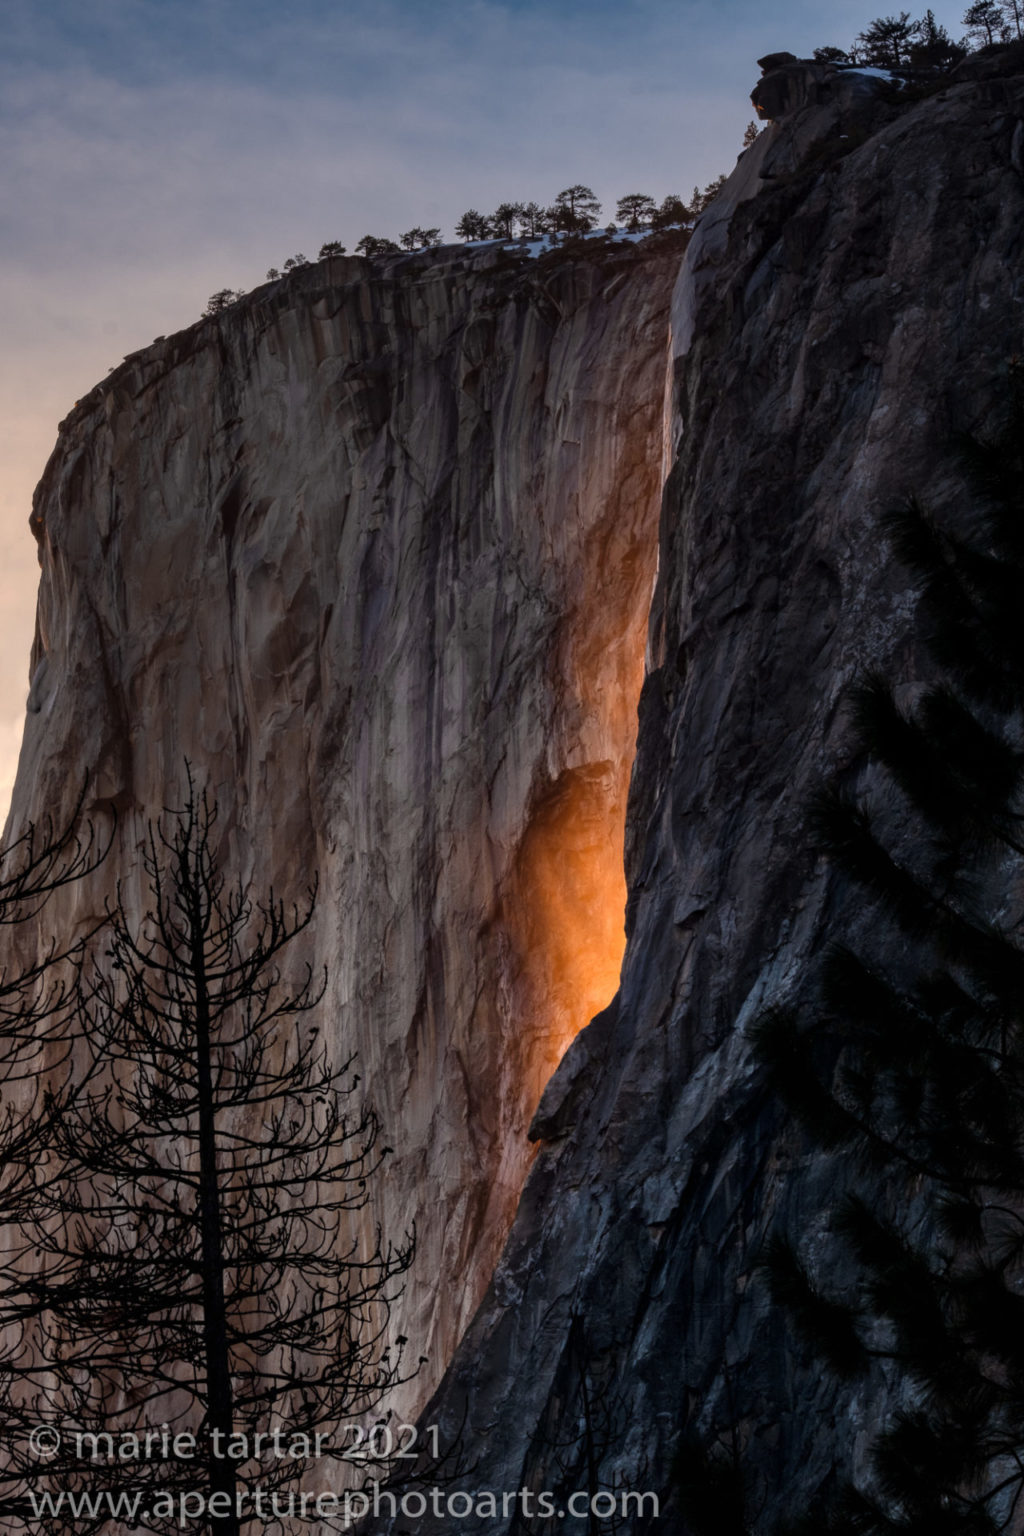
{"points": [[154, 151]]}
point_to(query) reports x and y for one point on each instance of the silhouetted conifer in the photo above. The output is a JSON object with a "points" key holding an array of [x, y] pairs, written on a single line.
{"points": [[912, 1061]]}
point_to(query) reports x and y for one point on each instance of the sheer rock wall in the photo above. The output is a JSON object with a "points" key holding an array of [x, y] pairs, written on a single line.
{"points": [[849, 301], [377, 554], [374, 551]]}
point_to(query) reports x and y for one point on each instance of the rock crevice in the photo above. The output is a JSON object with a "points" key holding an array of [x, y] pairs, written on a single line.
{"points": [[373, 549], [378, 555], [843, 308]]}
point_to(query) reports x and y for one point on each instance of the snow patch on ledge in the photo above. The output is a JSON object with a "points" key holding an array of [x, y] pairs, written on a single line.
{"points": [[873, 72], [544, 243]]}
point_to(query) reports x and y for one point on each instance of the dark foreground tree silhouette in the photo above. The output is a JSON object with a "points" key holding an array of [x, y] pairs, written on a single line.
{"points": [[203, 1260], [37, 1001], [913, 1062], [37, 991], [43, 860]]}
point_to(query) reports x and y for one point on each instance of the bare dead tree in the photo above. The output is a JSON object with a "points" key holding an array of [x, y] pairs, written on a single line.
{"points": [[199, 1267], [34, 985], [38, 1003], [37, 991]]}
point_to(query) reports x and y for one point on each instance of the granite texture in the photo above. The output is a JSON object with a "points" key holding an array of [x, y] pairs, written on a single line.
{"points": [[374, 550], [850, 300]]}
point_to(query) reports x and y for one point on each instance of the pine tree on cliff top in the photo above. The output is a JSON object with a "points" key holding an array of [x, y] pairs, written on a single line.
{"points": [[913, 1064], [886, 42], [985, 22]]}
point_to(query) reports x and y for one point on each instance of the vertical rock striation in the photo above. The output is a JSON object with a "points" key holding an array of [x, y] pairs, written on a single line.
{"points": [[850, 300], [374, 550]]}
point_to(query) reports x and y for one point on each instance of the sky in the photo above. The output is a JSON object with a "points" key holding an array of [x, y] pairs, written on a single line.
{"points": [[154, 151]]}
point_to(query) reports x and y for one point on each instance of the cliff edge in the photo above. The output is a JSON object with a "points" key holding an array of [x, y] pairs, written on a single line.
{"points": [[850, 300], [373, 550]]}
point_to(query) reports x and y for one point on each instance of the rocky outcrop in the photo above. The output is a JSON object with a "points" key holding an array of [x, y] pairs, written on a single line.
{"points": [[849, 301], [789, 85], [374, 550]]}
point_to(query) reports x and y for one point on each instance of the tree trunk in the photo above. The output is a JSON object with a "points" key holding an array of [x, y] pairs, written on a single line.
{"points": [[220, 1400]]}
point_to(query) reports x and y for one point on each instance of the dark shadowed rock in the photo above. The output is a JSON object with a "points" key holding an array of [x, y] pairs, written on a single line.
{"points": [[375, 547], [789, 85], [776, 61], [833, 325]]}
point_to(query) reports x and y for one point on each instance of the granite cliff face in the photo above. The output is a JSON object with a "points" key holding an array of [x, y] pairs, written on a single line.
{"points": [[377, 553], [849, 302], [374, 550]]}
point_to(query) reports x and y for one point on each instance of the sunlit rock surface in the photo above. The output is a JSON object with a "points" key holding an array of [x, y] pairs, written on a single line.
{"points": [[850, 300], [374, 550], [377, 555]]}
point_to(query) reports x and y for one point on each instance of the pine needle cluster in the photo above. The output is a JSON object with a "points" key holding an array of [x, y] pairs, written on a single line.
{"points": [[912, 1061]]}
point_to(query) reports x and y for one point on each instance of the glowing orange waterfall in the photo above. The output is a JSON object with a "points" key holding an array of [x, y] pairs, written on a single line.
{"points": [[566, 904], [574, 890]]}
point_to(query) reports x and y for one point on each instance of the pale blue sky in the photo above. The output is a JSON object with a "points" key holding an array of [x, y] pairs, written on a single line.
{"points": [[153, 151]]}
